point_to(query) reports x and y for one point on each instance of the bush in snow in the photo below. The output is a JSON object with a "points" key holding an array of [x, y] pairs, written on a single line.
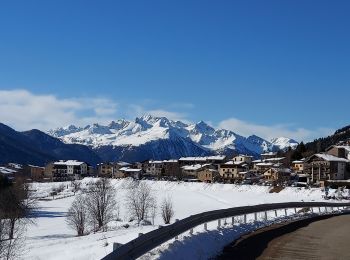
{"points": [[77, 215], [167, 210], [140, 201]]}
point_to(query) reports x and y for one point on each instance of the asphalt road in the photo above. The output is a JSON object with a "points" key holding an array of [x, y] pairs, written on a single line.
{"points": [[319, 238]]}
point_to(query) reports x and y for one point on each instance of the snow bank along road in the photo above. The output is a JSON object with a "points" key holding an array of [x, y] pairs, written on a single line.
{"points": [[50, 238], [324, 237], [147, 242]]}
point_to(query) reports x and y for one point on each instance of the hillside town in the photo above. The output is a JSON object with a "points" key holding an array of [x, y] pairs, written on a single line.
{"points": [[330, 168]]}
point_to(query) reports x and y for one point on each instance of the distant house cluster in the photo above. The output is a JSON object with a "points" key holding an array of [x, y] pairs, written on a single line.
{"points": [[329, 168]]}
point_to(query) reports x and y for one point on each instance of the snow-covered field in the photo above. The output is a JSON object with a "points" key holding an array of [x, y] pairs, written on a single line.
{"points": [[50, 237]]}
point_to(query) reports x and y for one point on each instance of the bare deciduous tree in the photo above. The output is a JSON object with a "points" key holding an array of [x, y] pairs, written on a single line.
{"points": [[140, 201], [16, 204], [101, 203], [77, 215], [167, 209], [75, 186]]}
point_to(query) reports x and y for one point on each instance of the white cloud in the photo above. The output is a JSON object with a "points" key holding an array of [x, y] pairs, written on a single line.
{"points": [[268, 132], [24, 110]]}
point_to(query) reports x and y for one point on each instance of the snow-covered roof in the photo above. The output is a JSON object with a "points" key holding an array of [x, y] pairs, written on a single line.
{"points": [[194, 167], [128, 169], [298, 161], [123, 163], [330, 158], [346, 147], [243, 155], [164, 161], [203, 159], [170, 161], [257, 161], [15, 165], [275, 159], [69, 163], [5, 170], [155, 162], [264, 164]]}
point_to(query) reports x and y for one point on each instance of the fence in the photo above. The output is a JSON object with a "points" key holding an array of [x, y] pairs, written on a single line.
{"points": [[151, 240]]}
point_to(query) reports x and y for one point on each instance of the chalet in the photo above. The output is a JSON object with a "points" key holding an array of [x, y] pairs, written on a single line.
{"points": [[322, 167], [341, 151], [208, 175], [109, 169], [69, 170], [165, 168], [261, 166], [214, 160], [128, 172], [269, 155], [191, 171], [229, 171], [248, 175], [298, 166], [277, 175], [36, 173], [243, 159]]}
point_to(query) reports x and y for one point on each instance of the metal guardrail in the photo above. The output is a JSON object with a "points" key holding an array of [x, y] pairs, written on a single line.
{"points": [[151, 240]]}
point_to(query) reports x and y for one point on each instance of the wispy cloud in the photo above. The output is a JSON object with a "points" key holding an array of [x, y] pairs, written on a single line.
{"points": [[271, 131], [24, 110]]}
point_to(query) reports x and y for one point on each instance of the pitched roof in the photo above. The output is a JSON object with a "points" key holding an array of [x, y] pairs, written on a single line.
{"points": [[330, 158]]}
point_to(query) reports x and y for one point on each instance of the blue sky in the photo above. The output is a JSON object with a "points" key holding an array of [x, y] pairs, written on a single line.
{"points": [[265, 67]]}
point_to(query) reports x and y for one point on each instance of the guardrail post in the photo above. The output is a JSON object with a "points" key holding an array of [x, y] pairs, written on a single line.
{"points": [[225, 222], [255, 216], [205, 226], [176, 237], [191, 231], [285, 212], [245, 218], [233, 221], [319, 209], [219, 223], [295, 210], [326, 209], [116, 246], [312, 210], [276, 215], [265, 215]]}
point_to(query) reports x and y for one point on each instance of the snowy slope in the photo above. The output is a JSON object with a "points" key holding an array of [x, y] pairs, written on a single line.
{"points": [[283, 143], [50, 238], [159, 135]]}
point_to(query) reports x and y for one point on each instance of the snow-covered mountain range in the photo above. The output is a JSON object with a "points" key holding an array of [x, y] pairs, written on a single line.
{"points": [[150, 137]]}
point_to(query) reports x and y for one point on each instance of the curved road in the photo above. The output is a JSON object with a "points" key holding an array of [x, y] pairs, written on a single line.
{"points": [[324, 238]]}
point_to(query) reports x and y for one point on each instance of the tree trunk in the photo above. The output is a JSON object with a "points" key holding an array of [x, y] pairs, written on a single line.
{"points": [[12, 228]]}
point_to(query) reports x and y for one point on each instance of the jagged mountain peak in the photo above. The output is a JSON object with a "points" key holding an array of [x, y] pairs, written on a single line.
{"points": [[284, 142], [148, 131]]}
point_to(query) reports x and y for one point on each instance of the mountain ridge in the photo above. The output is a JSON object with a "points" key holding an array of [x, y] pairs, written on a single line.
{"points": [[150, 137]]}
